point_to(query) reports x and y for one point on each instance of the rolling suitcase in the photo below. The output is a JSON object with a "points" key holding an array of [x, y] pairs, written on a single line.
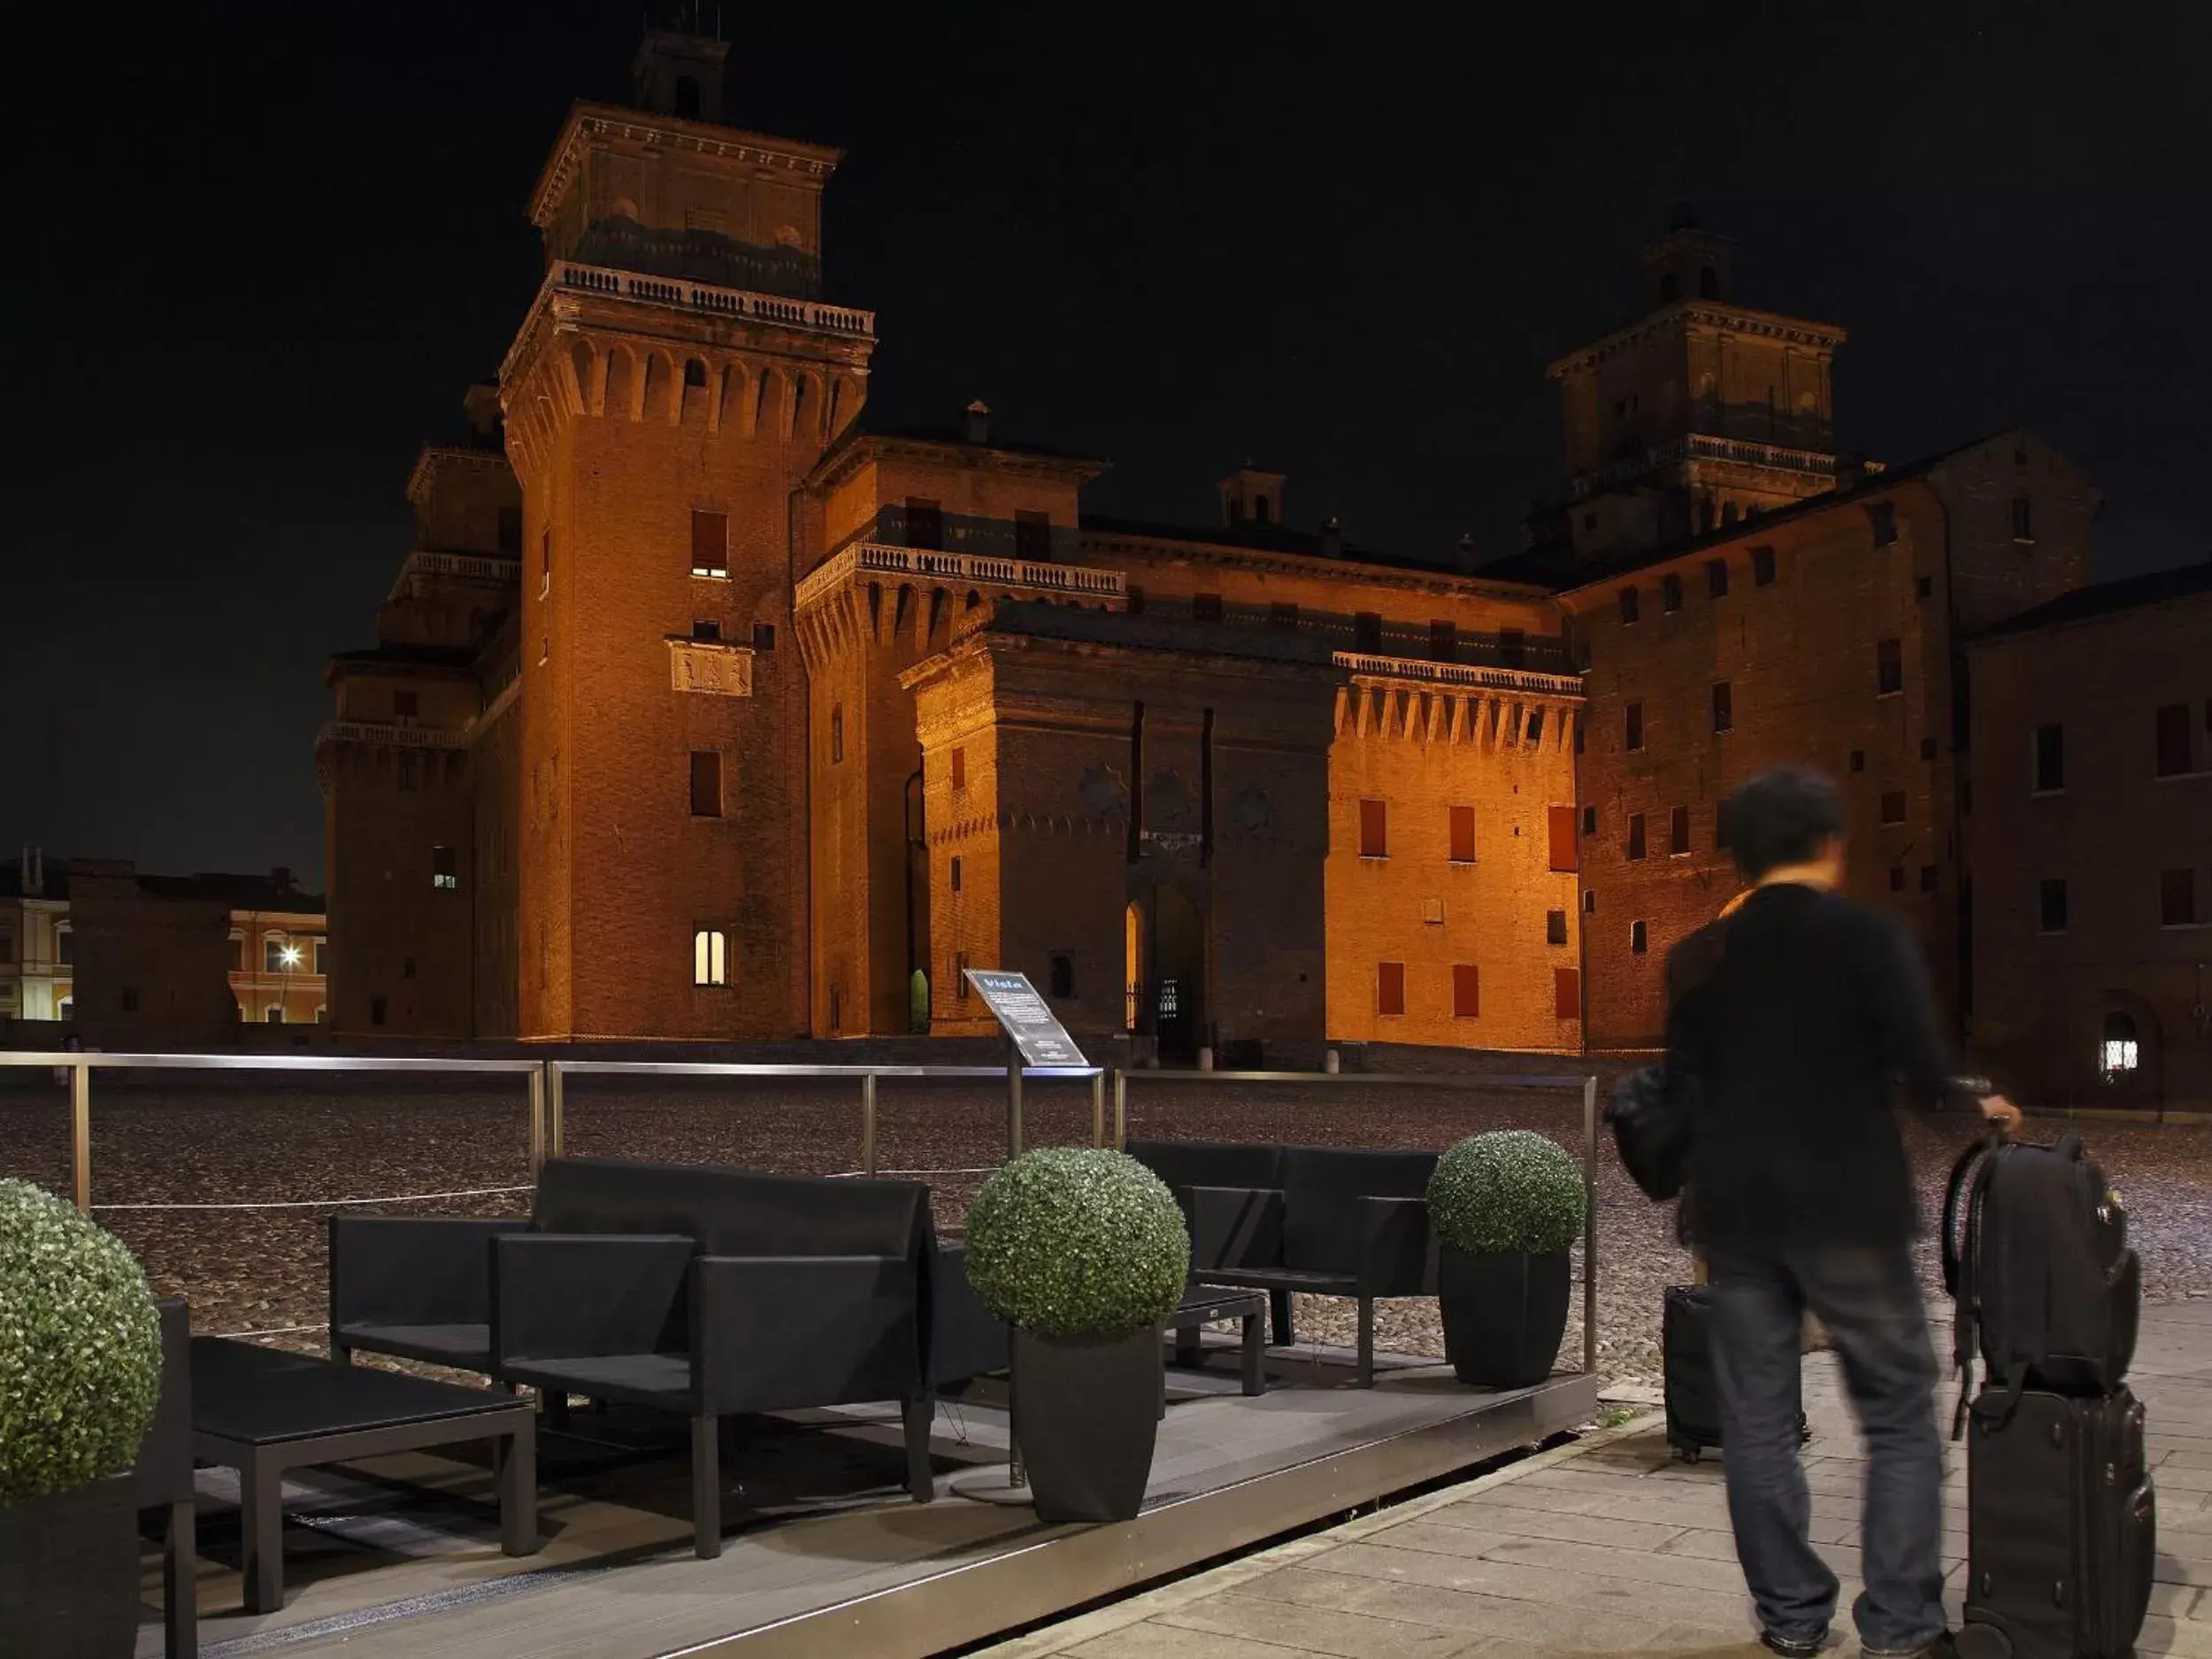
{"points": [[1686, 1356], [2062, 1527]]}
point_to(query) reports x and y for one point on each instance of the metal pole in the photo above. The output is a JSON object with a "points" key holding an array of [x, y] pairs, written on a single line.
{"points": [[553, 1111], [537, 1121], [868, 1124], [1121, 1111], [1016, 1475], [1589, 1227], [80, 1132], [1013, 1099], [1098, 1110]]}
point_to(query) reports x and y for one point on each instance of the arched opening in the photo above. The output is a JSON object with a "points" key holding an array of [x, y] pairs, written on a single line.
{"points": [[1133, 966], [694, 373], [1259, 510], [801, 405], [1171, 972]]}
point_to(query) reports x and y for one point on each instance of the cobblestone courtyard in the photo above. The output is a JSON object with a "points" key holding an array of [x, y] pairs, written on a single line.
{"points": [[301, 1143]]}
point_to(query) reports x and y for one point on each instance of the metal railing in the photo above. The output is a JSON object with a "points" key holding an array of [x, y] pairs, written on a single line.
{"points": [[80, 1065], [1585, 1086], [866, 1076]]}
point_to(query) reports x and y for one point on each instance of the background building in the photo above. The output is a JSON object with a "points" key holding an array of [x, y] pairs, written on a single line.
{"points": [[2092, 844], [37, 972], [705, 709]]}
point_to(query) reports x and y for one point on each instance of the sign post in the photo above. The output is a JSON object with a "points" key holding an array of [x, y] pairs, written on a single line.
{"points": [[1033, 1037]]}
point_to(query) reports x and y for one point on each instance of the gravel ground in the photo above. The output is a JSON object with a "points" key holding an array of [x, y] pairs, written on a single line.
{"points": [[262, 1140]]}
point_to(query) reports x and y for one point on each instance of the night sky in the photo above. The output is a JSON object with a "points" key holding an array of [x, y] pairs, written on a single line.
{"points": [[257, 253]]}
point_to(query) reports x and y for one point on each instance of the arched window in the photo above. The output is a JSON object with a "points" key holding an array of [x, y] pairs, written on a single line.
{"points": [[694, 372], [275, 1014], [2122, 1052]]}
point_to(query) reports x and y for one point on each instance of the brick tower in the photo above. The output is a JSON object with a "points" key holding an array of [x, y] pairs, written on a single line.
{"points": [[676, 379], [1700, 412]]}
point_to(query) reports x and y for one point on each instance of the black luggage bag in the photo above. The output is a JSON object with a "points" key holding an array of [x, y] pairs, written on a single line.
{"points": [[2061, 1523], [1687, 1357]]}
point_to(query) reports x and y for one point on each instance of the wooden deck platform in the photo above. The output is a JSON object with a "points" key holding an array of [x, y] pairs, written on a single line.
{"points": [[399, 1556]]}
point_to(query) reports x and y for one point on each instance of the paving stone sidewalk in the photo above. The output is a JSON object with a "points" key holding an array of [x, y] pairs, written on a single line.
{"points": [[1610, 1546]]}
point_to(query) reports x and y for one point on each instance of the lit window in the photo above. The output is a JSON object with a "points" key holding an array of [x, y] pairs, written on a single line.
{"points": [[710, 544], [445, 869], [2122, 1052], [272, 950], [709, 956]]}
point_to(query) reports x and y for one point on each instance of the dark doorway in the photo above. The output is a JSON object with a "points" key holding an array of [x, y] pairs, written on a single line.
{"points": [[1177, 974]]}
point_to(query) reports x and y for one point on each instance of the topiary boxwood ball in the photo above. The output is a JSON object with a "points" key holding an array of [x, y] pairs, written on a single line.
{"points": [[1077, 1244], [1510, 1191], [80, 1348]]}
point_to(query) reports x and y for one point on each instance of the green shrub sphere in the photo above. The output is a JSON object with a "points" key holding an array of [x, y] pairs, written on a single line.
{"points": [[1508, 1191], [1077, 1244], [80, 1348]]}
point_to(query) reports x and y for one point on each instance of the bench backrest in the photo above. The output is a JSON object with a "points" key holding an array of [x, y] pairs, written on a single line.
{"points": [[1322, 1187], [1187, 1164], [735, 1213]]}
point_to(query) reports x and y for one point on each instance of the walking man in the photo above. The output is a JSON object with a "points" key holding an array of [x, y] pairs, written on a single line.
{"points": [[1795, 1019]]}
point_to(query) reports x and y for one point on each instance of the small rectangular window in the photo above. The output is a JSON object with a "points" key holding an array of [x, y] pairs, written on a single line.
{"points": [[1630, 605], [709, 956], [1670, 592], [1716, 579], [1678, 831], [1443, 642], [1554, 927], [545, 562], [706, 783], [1635, 835], [1881, 517], [1566, 850], [1724, 707], [925, 523], [1463, 832], [1589, 901], [1367, 633], [1390, 988], [1033, 537], [1374, 829], [1639, 938], [837, 734], [1466, 991], [2178, 898], [2050, 905], [321, 949], [955, 875], [1858, 760], [706, 630], [2050, 759], [1535, 733], [1589, 820], [1893, 806], [710, 544], [1566, 993], [445, 869], [960, 975], [65, 945], [1283, 616], [764, 636], [1633, 734], [959, 768], [2023, 518], [1205, 607], [1923, 587], [2173, 740], [1889, 667], [1762, 567]]}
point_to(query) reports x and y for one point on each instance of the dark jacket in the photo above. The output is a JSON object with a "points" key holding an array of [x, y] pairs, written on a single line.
{"points": [[1790, 1027]]}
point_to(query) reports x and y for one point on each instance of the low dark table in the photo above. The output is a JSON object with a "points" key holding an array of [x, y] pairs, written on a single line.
{"points": [[1210, 1304], [261, 1411]]}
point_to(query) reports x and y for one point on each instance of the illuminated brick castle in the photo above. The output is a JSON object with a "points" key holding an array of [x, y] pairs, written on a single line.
{"points": [[703, 710]]}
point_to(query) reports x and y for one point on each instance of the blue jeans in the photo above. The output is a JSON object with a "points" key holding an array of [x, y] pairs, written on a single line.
{"points": [[1869, 1301]]}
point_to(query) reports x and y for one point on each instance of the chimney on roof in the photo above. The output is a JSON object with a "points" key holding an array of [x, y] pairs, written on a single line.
{"points": [[1463, 559], [1332, 537], [978, 428]]}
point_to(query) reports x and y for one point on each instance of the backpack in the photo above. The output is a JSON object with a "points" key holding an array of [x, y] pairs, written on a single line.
{"points": [[2035, 1256], [1652, 1135]]}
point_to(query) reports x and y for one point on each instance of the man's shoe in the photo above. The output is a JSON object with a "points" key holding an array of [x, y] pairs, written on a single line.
{"points": [[1793, 1647], [1944, 1647]]}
